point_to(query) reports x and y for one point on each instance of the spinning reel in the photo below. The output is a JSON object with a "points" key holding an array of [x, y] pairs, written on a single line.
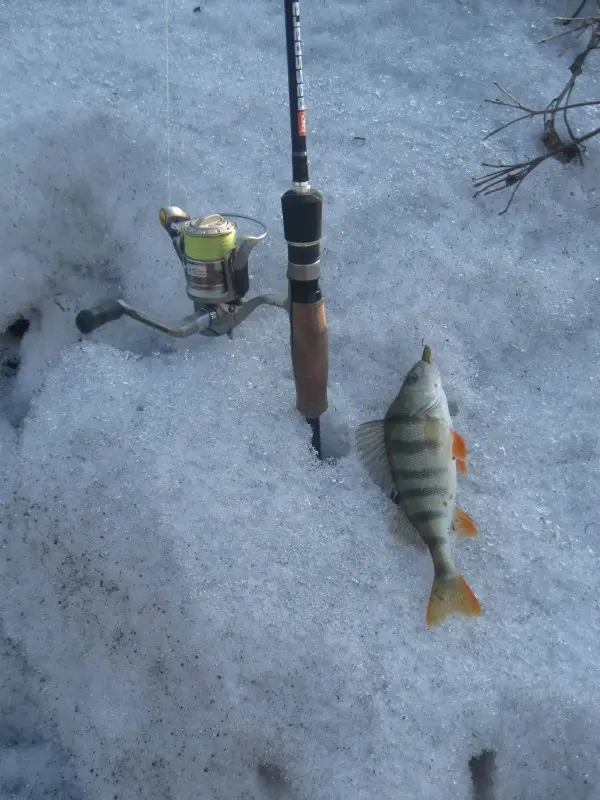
{"points": [[215, 265]]}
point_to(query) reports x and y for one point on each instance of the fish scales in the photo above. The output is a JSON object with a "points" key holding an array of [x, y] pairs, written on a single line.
{"points": [[419, 454]]}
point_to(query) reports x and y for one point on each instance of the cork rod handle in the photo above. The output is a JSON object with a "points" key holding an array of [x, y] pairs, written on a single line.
{"points": [[310, 357]]}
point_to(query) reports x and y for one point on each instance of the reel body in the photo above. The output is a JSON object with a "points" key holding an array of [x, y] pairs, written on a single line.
{"points": [[216, 274]]}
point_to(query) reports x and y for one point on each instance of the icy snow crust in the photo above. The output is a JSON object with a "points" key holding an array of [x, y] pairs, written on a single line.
{"points": [[192, 607]]}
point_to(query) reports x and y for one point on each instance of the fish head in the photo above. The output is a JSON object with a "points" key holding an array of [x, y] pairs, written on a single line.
{"points": [[422, 388]]}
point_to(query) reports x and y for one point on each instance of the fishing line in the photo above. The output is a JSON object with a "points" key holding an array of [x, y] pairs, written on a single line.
{"points": [[168, 100]]}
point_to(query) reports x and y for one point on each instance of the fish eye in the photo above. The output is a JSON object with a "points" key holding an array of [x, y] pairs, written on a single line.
{"points": [[413, 378]]}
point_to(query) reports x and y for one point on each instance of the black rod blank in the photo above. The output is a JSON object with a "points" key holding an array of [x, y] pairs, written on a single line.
{"points": [[296, 91]]}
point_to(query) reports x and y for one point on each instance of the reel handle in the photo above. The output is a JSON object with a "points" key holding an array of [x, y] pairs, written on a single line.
{"points": [[310, 357], [91, 318]]}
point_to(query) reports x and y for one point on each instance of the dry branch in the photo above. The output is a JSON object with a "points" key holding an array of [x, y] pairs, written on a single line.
{"points": [[563, 148]]}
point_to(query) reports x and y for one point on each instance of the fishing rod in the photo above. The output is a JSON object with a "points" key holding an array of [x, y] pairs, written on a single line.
{"points": [[215, 264], [302, 209]]}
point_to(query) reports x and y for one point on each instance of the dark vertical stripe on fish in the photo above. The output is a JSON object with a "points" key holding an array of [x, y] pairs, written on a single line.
{"points": [[426, 516], [419, 474], [424, 491], [401, 447]]}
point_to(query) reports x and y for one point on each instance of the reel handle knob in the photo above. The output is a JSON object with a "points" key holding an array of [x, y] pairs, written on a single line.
{"points": [[91, 318]]}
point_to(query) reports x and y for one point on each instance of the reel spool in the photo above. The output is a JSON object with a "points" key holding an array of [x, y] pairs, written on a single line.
{"points": [[209, 248], [216, 271]]}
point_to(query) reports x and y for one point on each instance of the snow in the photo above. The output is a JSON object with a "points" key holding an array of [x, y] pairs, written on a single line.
{"points": [[192, 606]]}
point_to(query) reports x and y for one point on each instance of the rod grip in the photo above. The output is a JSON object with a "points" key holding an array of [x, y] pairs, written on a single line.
{"points": [[310, 357], [91, 318]]}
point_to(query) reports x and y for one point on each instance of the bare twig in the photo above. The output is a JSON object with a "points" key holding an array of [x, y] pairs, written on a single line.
{"points": [[564, 98], [584, 22], [528, 112], [578, 12], [564, 150], [507, 175]]}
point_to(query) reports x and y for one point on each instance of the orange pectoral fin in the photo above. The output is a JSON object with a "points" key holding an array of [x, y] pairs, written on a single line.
{"points": [[463, 524], [459, 447]]}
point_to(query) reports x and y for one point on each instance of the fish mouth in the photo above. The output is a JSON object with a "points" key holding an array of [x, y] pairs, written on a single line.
{"points": [[426, 357]]}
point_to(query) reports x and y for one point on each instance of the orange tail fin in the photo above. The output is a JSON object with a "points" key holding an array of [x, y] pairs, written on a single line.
{"points": [[463, 523], [451, 596]]}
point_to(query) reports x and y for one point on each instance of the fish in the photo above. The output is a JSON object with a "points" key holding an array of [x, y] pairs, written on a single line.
{"points": [[414, 454]]}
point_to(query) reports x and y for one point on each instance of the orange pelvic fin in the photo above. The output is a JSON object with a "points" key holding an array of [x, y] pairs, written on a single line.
{"points": [[463, 524]]}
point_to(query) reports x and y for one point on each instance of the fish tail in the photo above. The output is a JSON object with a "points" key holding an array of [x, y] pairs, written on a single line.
{"points": [[451, 595]]}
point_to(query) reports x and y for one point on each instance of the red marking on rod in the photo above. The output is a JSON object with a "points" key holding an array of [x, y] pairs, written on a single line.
{"points": [[301, 123]]}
